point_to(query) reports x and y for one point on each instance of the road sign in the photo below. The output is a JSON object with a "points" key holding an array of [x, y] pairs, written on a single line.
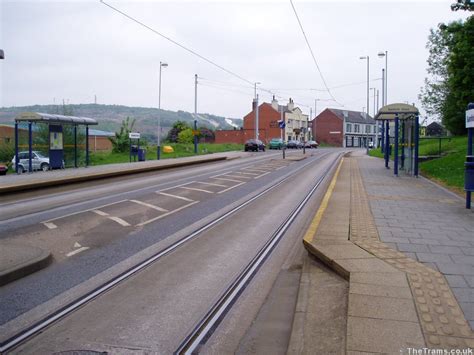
{"points": [[134, 135], [282, 124], [196, 132], [470, 118]]}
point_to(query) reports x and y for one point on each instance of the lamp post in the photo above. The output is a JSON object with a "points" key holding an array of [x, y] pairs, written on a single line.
{"points": [[255, 100], [2, 55], [158, 148], [385, 84], [368, 89]]}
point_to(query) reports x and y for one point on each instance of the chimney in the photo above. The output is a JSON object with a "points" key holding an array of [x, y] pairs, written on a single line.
{"points": [[291, 105], [275, 103], [345, 113]]}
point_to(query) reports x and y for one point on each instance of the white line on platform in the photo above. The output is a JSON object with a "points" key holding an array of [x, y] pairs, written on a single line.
{"points": [[50, 225], [76, 251], [211, 184], [150, 206], [230, 188], [167, 214], [196, 189], [175, 196], [119, 221]]}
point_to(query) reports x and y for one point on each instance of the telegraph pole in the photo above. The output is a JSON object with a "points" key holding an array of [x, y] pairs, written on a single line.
{"points": [[195, 113]]}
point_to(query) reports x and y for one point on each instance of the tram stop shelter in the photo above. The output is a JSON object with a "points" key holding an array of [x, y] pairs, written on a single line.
{"points": [[56, 141], [404, 120]]}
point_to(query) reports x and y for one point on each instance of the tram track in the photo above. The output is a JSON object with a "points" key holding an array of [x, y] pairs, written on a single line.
{"points": [[26, 334]]}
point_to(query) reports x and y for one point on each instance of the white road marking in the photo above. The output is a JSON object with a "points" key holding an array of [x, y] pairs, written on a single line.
{"points": [[50, 225], [76, 251], [211, 184], [258, 177], [100, 213], [88, 210], [175, 186], [149, 205], [196, 189], [255, 174], [119, 221], [167, 214], [77, 245], [223, 178], [240, 176], [230, 188], [256, 169], [174, 196]]}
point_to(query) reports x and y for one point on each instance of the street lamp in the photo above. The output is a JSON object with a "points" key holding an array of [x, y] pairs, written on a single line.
{"points": [[256, 109], [158, 148], [367, 137], [384, 94]]}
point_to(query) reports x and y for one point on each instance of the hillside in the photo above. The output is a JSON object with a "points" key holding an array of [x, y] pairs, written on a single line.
{"points": [[110, 116]]}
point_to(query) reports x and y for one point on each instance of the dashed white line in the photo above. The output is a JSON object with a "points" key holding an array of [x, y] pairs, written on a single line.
{"points": [[211, 184], [50, 225], [196, 189], [223, 178], [240, 176], [167, 214], [258, 177], [255, 174], [255, 169], [175, 196], [100, 213], [119, 221], [150, 205], [230, 188], [76, 251]]}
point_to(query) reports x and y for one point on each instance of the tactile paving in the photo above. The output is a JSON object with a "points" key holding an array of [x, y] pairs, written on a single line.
{"points": [[443, 323]]}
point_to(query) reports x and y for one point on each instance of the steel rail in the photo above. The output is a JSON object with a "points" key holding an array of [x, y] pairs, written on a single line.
{"points": [[32, 330], [206, 326]]}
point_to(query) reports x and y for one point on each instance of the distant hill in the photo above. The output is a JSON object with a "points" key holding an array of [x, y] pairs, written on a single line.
{"points": [[110, 117]]}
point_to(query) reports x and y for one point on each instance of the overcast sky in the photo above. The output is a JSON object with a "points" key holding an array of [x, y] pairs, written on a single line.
{"points": [[73, 50]]}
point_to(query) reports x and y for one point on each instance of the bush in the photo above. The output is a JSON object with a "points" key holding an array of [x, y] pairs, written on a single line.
{"points": [[186, 136]]}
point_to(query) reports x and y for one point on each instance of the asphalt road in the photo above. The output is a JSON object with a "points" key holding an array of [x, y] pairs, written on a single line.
{"points": [[96, 232]]}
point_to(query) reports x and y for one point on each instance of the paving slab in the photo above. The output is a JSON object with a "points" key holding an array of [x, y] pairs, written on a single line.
{"points": [[395, 301]]}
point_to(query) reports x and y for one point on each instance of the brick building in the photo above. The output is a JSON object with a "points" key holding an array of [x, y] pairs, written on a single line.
{"points": [[343, 128], [269, 115]]}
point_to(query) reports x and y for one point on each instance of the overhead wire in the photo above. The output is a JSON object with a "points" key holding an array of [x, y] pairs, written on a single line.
{"points": [[178, 44], [312, 54]]}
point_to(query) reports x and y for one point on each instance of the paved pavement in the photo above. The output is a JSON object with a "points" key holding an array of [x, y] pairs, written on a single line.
{"points": [[368, 229]]}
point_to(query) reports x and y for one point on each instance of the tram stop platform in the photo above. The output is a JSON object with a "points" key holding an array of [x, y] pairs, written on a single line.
{"points": [[406, 248]]}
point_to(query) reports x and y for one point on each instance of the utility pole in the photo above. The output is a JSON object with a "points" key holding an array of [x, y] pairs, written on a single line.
{"points": [[195, 113], [256, 117]]}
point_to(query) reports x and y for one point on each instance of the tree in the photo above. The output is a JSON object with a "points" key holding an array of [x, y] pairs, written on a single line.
{"points": [[186, 136], [173, 133], [449, 89], [120, 143]]}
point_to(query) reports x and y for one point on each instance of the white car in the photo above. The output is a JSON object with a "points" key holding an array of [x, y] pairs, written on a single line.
{"points": [[371, 145], [38, 161]]}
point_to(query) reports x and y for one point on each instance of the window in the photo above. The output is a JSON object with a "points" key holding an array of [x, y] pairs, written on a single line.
{"points": [[367, 128], [348, 128], [356, 128]]}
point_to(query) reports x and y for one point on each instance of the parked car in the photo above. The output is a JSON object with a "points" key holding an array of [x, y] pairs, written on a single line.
{"points": [[254, 145], [294, 144], [311, 144], [38, 161], [3, 169], [276, 143]]}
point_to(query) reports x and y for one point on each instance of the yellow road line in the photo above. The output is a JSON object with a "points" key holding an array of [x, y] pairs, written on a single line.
{"points": [[313, 227]]}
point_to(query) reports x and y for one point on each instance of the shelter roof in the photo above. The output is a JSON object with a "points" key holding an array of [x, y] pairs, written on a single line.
{"points": [[404, 112], [53, 118]]}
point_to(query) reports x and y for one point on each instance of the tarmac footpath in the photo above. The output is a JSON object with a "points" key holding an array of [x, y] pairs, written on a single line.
{"points": [[396, 304]]}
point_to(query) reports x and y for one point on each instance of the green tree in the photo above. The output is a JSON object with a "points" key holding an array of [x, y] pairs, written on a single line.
{"points": [[186, 136], [120, 143], [449, 89], [173, 133]]}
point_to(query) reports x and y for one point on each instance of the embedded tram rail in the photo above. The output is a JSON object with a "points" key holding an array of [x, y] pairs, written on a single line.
{"points": [[210, 321]]}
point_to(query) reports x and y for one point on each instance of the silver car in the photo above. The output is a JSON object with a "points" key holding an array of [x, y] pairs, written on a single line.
{"points": [[38, 161]]}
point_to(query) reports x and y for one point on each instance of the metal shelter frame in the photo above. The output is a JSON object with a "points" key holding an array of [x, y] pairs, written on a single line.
{"points": [[399, 113], [35, 117]]}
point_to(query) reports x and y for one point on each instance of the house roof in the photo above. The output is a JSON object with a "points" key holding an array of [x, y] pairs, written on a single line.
{"points": [[352, 116]]}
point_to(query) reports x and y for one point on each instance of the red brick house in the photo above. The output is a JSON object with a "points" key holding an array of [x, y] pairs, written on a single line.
{"points": [[268, 126], [343, 128]]}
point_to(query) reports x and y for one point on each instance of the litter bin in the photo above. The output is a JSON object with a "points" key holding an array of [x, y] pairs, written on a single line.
{"points": [[141, 154], [469, 173]]}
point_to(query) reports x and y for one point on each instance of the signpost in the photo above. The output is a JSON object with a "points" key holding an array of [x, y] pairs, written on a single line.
{"points": [[282, 125], [134, 149], [469, 164]]}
